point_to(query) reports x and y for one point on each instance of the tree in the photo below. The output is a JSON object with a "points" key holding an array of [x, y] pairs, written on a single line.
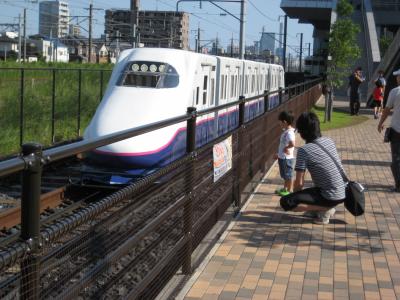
{"points": [[343, 48], [384, 44]]}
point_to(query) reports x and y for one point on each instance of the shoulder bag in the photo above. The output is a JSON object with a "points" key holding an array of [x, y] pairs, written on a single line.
{"points": [[355, 198]]}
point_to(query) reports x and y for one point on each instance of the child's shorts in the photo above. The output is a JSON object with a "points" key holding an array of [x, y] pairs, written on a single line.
{"points": [[376, 103], [286, 168]]}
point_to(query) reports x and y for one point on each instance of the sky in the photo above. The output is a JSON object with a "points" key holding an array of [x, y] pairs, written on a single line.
{"points": [[260, 14]]}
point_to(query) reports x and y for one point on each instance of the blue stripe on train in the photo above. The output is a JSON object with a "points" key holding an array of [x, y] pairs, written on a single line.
{"points": [[177, 148]]}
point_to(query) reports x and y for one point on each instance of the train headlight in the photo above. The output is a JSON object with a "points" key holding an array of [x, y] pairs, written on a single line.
{"points": [[153, 68], [135, 67], [144, 68], [161, 68]]}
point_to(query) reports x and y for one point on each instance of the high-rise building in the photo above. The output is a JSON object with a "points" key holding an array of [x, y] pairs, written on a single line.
{"points": [[166, 29], [53, 18], [267, 42]]}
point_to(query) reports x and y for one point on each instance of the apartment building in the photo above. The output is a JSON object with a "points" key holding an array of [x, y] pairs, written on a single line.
{"points": [[53, 18], [162, 29]]}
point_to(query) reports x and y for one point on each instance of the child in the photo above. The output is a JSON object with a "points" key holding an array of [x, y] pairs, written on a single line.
{"points": [[378, 98], [285, 152]]}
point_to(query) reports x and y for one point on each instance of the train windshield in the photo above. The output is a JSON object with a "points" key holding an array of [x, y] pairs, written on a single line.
{"points": [[149, 74]]}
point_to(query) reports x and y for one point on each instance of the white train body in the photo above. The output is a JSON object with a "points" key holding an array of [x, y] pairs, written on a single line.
{"points": [[153, 84]]}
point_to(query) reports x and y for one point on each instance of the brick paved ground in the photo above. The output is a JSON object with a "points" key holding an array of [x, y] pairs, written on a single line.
{"points": [[271, 254]]}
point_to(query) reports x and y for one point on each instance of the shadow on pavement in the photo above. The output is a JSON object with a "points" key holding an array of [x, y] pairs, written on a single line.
{"points": [[274, 228]]}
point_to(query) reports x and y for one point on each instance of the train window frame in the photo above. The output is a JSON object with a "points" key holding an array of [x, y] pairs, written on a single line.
{"points": [[197, 94], [149, 74]]}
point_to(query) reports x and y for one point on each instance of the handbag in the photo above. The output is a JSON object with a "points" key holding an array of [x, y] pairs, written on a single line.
{"points": [[355, 198]]}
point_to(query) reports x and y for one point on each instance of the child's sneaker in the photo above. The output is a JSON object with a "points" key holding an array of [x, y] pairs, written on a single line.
{"points": [[324, 216], [279, 191], [284, 192]]}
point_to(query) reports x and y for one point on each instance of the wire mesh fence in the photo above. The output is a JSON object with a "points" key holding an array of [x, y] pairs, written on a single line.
{"points": [[129, 244]]}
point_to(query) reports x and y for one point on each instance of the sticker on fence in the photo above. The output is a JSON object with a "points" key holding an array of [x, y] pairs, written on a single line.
{"points": [[222, 158]]}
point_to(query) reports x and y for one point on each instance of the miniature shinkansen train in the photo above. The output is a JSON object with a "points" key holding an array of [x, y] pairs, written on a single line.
{"points": [[152, 84]]}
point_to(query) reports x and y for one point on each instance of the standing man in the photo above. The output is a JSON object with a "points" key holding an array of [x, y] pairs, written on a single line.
{"points": [[394, 103], [355, 80]]}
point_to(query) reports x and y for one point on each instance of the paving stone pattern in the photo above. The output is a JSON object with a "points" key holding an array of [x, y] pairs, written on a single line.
{"points": [[272, 254]]}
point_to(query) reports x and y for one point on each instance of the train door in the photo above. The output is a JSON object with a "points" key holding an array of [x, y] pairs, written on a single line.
{"points": [[206, 98]]}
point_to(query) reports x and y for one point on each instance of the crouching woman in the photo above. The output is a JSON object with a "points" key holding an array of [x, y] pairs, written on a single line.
{"points": [[319, 156]]}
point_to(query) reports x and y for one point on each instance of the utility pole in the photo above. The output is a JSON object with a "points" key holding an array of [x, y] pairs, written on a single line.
{"points": [[134, 21], [24, 34], [19, 38], [284, 43], [198, 49], [309, 49], [117, 46], [232, 46], [90, 32], [216, 45], [301, 51], [242, 29]]}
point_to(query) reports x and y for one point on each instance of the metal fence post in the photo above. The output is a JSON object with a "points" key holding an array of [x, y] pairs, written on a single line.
{"points": [[79, 102], [101, 84], [237, 187], [53, 107], [30, 220], [188, 208], [280, 95], [241, 110], [266, 100], [21, 107]]}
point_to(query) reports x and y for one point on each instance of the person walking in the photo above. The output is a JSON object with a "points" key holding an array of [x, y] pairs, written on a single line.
{"points": [[285, 153], [393, 103], [355, 80], [319, 156], [377, 96]]}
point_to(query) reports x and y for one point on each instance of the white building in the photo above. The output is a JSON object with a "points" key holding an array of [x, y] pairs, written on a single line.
{"points": [[7, 44], [52, 50], [53, 18]]}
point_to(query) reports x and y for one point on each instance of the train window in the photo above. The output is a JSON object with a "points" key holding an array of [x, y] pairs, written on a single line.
{"points": [[149, 74], [240, 85], [222, 86], [236, 86], [212, 91], [232, 85], [252, 83], [197, 95], [205, 90], [226, 86]]}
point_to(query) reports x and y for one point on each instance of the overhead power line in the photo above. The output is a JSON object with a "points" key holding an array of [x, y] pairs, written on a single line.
{"points": [[257, 9]]}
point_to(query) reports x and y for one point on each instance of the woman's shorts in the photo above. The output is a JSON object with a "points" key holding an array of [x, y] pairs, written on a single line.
{"points": [[310, 196], [286, 168]]}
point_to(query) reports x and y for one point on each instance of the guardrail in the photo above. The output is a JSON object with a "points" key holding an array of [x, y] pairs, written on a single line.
{"points": [[145, 236]]}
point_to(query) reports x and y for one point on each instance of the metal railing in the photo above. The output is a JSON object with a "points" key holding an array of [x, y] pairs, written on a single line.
{"points": [[77, 253]]}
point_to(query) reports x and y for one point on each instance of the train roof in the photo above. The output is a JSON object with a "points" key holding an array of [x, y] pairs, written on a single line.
{"points": [[176, 55]]}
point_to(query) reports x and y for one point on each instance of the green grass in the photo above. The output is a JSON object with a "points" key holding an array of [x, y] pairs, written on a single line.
{"points": [[339, 119], [37, 102]]}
